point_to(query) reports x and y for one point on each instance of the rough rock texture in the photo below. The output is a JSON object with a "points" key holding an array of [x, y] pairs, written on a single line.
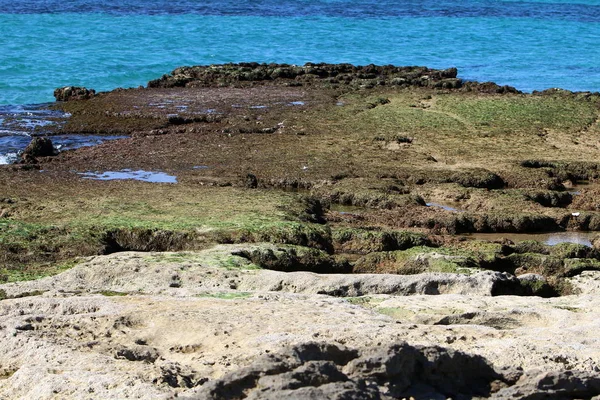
{"points": [[193, 273], [156, 325], [38, 147], [588, 282], [539, 384], [294, 75], [70, 93], [317, 370]]}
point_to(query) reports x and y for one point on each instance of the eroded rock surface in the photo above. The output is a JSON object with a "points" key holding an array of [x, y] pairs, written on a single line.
{"points": [[211, 325]]}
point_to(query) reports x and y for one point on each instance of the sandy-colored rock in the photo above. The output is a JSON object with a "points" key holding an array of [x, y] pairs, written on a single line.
{"points": [[123, 326], [189, 273], [588, 282]]}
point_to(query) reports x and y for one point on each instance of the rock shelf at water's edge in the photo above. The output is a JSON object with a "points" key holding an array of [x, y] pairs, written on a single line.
{"points": [[325, 230]]}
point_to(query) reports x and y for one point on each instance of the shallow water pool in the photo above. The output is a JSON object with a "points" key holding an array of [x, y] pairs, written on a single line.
{"points": [[551, 238], [139, 175]]}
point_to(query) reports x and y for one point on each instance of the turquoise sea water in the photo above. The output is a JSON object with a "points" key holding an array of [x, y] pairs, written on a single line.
{"points": [[532, 45]]}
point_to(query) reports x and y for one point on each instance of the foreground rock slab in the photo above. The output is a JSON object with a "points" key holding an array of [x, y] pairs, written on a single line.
{"points": [[194, 337]]}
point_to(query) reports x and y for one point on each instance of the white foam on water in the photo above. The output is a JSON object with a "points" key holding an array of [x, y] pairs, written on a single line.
{"points": [[8, 158]]}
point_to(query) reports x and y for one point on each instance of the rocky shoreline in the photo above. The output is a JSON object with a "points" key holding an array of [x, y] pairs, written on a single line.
{"points": [[309, 241]]}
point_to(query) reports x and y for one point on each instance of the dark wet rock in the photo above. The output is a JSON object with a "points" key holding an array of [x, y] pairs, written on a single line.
{"points": [[492, 222], [70, 93], [535, 263], [585, 221], [326, 371], [307, 209], [251, 181], [488, 87], [309, 74], [182, 120], [38, 147]]}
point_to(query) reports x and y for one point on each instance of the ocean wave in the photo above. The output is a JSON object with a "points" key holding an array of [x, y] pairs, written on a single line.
{"points": [[8, 158]]}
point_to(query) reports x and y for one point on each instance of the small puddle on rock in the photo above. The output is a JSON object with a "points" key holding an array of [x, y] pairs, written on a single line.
{"points": [[576, 188], [443, 206], [552, 239], [140, 175]]}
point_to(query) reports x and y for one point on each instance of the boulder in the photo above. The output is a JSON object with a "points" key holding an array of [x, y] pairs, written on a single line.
{"points": [[70, 93], [38, 147]]}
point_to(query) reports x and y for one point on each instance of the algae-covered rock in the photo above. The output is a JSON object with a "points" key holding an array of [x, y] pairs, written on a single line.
{"points": [[310, 73], [535, 263], [536, 285], [367, 241], [416, 260], [575, 266], [70, 93], [294, 258]]}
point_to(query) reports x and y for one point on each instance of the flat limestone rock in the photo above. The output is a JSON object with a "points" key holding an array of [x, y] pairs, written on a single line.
{"points": [[189, 273], [156, 325]]}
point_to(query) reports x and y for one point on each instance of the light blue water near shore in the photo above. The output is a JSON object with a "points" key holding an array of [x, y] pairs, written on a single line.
{"points": [[531, 45]]}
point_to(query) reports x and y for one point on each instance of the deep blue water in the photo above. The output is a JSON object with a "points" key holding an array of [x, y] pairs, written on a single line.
{"points": [[532, 45]]}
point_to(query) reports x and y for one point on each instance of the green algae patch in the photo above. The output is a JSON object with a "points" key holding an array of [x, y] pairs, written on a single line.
{"points": [[365, 301], [225, 295], [513, 114], [417, 260], [217, 257], [155, 207], [47, 229], [34, 271], [576, 266], [112, 293], [396, 312]]}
